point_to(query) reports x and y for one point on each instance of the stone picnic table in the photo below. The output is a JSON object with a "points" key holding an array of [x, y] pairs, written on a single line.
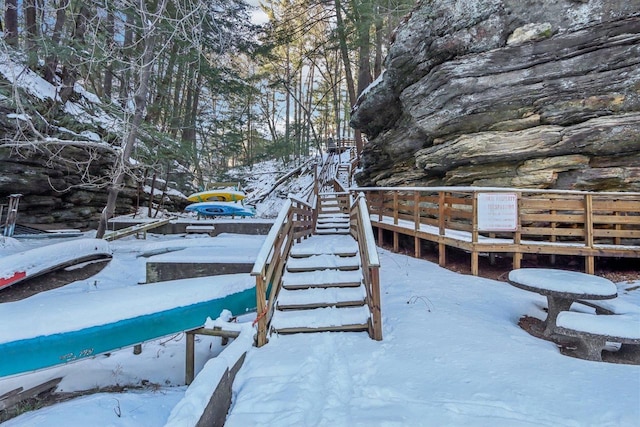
{"points": [[561, 288]]}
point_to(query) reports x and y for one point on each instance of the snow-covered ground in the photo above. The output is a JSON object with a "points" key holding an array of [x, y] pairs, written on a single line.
{"points": [[452, 354]]}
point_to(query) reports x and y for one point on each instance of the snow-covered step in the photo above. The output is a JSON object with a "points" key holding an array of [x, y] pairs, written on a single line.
{"points": [[325, 225], [321, 319], [323, 262], [323, 278], [326, 231], [330, 209], [316, 245], [332, 217], [321, 297]]}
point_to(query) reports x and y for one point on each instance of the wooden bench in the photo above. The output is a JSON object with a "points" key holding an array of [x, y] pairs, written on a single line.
{"points": [[208, 229], [594, 331]]}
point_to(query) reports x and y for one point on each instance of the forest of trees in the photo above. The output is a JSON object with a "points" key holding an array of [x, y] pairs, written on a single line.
{"points": [[197, 82]]}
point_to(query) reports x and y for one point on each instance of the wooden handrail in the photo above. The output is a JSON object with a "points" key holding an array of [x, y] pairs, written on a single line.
{"points": [[363, 233], [552, 222], [294, 222]]}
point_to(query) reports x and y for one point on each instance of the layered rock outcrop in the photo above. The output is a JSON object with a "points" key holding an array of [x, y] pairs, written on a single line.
{"points": [[52, 189], [540, 94], [63, 186]]}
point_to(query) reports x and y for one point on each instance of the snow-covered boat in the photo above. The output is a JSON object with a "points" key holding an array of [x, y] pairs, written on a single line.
{"points": [[70, 327], [33, 262]]}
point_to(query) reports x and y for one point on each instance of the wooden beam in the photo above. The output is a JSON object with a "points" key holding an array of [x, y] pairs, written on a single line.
{"points": [[16, 396]]}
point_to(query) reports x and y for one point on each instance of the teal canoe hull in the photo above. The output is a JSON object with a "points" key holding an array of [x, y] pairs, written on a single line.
{"points": [[50, 350]]}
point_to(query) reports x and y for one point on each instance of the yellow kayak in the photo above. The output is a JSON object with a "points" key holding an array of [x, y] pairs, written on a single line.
{"points": [[217, 196]]}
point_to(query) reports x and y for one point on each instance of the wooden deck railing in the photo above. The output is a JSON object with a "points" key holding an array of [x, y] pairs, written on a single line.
{"points": [[585, 224], [362, 231]]}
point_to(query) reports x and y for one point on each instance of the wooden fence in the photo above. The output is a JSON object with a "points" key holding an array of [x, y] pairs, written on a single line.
{"points": [[512, 221]]}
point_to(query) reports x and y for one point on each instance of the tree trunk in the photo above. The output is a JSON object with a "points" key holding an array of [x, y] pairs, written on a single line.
{"points": [[31, 30], [377, 63], [344, 51], [52, 60], [287, 126], [174, 118], [336, 101], [11, 22], [107, 83], [162, 92], [140, 100], [69, 71], [126, 55]]}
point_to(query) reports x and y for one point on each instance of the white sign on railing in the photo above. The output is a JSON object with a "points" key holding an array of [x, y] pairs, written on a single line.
{"points": [[497, 211]]}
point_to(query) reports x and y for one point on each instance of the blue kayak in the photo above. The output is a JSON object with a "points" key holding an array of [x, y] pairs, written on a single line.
{"points": [[220, 209]]}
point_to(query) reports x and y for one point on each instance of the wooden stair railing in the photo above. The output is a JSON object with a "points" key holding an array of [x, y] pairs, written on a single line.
{"points": [[295, 222]]}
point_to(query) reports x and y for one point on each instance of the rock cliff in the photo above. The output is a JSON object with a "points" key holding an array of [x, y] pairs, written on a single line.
{"points": [[62, 186], [537, 94]]}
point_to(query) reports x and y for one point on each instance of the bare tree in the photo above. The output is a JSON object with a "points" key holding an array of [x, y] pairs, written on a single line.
{"points": [[149, 29]]}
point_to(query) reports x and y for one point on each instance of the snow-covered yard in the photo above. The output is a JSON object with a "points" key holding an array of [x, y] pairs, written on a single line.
{"points": [[452, 354]]}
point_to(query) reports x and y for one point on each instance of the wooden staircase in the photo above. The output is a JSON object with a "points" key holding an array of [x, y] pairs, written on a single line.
{"points": [[333, 217], [322, 287]]}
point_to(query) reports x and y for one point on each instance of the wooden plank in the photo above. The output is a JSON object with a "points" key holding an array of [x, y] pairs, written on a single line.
{"points": [[622, 220], [459, 201], [540, 231], [615, 205], [135, 229], [551, 204], [630, 234], [14, 398], [361, 327], [572, 218], [11, 393]]}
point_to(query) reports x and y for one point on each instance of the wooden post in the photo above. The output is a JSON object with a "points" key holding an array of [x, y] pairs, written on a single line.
{"points": [[517, 255], [395, 207], [376, 316], [553, 236], [416, 211], [616, 240], [492, 255], [442, 248], [588, 225], [396, 244], [474, 234], [190, 358], [261, 306], [416, 222]]}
